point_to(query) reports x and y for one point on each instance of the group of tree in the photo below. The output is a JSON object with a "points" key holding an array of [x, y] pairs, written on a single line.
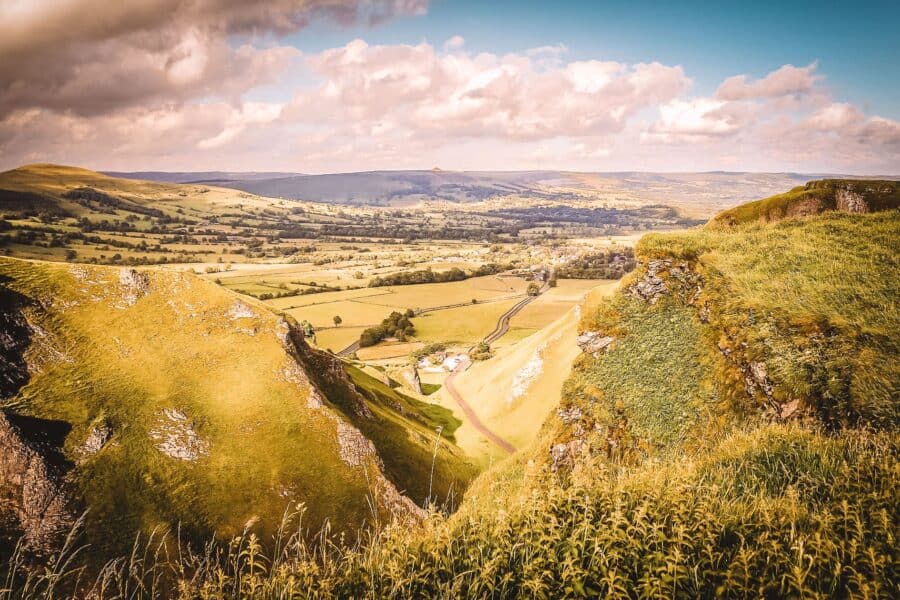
{"points": [[610, 263], [396, 325], [429, 276]]}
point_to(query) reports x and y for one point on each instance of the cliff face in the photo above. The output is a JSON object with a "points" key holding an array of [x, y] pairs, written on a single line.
{"points": [[15, 337], [780, 322]]}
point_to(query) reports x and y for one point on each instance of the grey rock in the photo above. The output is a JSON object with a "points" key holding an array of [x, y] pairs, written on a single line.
{"points": [[39, 506], [96, 439], [594, 342], [176, 438]]}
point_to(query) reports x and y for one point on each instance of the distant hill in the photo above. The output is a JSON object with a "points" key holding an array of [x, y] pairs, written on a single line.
{"points": [[198, 176], [391, 187], [699, 194]]}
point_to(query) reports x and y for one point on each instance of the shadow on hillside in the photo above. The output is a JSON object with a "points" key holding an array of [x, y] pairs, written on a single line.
{"points": [[15, 338]]}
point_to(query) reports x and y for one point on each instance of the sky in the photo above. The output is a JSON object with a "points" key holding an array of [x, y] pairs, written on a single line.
{"points": [[319, 86]]}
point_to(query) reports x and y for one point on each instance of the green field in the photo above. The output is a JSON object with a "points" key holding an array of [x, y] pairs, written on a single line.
{"points": [[465, 325]]}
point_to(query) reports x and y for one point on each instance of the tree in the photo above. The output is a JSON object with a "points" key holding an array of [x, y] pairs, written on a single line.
{"points": [[71, 254], [337, 320]]}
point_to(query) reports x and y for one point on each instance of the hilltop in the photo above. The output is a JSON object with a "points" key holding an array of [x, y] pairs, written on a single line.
{"points": [[157, 400]]}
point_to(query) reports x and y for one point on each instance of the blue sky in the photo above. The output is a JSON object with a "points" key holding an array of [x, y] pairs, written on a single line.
{"points": [[856, 44], [315, 86]]}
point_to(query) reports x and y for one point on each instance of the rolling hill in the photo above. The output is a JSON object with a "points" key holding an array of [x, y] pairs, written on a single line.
{"points": [[702, 194], [393, 187], [156, 400], [198, 176]]}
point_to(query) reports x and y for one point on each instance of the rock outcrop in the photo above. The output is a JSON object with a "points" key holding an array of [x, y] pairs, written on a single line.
{"points": [[409, 377], [96, 439], [662, 277], [326, 372], [15, 338], [32, 485], [594, 342], [175, 437]]}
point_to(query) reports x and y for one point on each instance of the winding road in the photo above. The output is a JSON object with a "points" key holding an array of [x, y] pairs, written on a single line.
{"points": [[499, 331]]}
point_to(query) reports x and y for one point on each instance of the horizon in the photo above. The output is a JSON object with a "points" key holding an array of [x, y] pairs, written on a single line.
{"points": [[442, 170], [350, 86]]}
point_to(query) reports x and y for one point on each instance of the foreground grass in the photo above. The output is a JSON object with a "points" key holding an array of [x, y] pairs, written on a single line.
{"points": [[776, 512]]}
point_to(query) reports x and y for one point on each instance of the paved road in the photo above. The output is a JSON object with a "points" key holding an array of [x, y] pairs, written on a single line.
{"points": [[503, 322], [470, 414], [499, 331]]}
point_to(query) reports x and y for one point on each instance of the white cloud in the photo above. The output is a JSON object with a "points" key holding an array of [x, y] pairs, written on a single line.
{"points": [[785, 81], [483, 95], [454, 43], [699, 117], [183, 104]]}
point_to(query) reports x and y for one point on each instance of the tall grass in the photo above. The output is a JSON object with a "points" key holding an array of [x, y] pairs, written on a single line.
{"points": [[775, 512]]}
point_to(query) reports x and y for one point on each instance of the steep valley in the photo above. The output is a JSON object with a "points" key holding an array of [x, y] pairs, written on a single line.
{"points": [[728, 428]]}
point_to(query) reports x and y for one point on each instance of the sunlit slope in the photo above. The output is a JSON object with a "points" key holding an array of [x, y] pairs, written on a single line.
{"points": [[71, 190], [187, 405]]}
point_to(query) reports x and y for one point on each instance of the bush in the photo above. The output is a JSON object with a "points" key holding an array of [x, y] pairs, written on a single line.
{"points": [[481, 351]]}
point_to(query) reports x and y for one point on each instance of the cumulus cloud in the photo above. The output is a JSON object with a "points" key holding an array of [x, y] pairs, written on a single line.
{"points": [[786, 81], [513, 96], [699, 117], [93, 56]]}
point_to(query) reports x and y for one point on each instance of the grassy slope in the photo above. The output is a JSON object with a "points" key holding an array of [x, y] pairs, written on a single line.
{"points": [[816, 299], [53, 181], [176, 347]]}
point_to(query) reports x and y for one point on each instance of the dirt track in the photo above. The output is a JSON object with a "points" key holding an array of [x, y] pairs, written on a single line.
{"points": [[470, 413]]}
